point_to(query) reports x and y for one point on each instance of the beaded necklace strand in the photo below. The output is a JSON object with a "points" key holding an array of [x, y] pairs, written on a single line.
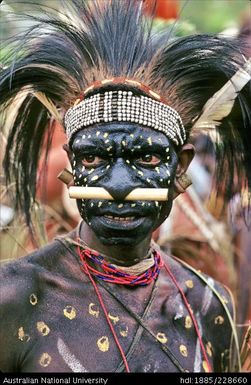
{"points": [[113, 275]]}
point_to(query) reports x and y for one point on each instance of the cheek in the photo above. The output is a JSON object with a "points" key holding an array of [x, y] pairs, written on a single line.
{"points": [[160, 176]]}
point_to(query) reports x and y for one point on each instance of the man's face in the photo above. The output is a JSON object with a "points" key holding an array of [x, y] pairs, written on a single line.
{"points": [[121, 157]]}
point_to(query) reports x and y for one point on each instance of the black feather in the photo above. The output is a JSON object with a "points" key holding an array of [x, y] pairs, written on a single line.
{"points": [[63, 53]]}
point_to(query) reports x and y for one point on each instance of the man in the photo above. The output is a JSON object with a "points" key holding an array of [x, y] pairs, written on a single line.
{"points": [[105, 298]]}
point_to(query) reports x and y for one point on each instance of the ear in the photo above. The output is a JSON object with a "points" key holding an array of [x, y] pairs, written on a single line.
{"points": [[182, 181], [185, 156]]}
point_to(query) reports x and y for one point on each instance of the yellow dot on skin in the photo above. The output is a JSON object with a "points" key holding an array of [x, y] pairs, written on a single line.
{"points": [[189, 283], [161, 337], [105, 135], [150, 140], [140, 173], [93, 312], [95, 177], [209, 349], [157, 169], [70, 312], [205, 366], [103, 344], [219, 320], [43, 328], [45, 360], [124, 332], [33, 299], [188, 322], [114, 319], [22, 336], [183, 350]]}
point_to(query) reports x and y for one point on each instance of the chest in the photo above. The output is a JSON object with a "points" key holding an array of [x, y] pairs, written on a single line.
{"points": [[79, 330]]}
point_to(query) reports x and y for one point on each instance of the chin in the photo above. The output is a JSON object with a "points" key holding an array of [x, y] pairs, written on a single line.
{"points": [[120, 241], [122, 236]]}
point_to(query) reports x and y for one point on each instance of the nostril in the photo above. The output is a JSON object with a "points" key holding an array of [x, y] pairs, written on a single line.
{"points": [[120, 180]]}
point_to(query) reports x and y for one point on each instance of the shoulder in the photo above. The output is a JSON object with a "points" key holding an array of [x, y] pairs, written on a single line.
{"points": [[204, 292], [212, 308], [24, 283]]}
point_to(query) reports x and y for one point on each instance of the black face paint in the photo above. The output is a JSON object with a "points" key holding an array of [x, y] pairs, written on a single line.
{"points": [[121, 157]]}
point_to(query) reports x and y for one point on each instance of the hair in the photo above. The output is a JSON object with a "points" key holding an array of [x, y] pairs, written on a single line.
{"points": [[64, 52]]}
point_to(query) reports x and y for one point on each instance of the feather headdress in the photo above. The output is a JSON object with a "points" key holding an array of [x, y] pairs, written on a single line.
{"points": [[64, 52]]}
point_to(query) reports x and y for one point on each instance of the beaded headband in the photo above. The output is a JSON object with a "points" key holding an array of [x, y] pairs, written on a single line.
{"points": [[124, 106]]}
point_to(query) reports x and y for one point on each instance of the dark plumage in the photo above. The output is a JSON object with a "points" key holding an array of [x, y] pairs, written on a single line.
{"points": [[89, 41]]}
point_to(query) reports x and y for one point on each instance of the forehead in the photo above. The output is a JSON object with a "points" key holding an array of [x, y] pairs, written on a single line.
{"points": [[132, 133]]}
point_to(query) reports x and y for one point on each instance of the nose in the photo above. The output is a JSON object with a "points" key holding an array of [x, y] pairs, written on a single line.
{"points": [[121, 180]]}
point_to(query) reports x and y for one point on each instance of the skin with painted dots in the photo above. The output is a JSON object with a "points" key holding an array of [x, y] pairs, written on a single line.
{"points": [[52, 320]]}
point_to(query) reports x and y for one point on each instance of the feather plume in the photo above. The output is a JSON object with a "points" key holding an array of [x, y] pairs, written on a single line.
{"points": [[49, 106], [221, 103]]}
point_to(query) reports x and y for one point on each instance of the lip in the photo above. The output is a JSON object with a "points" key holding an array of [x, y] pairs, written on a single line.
{"points": [[119, 222]]}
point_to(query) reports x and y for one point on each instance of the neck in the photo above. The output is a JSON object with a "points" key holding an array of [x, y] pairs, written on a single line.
{"points": [[122, 255]]}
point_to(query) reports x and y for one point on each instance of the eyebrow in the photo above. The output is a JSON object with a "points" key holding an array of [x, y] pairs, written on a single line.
{"points": [[100, 144]]}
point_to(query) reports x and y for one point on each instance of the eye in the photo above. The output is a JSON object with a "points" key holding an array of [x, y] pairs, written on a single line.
{"points": [[149, 159], [91, 160]]}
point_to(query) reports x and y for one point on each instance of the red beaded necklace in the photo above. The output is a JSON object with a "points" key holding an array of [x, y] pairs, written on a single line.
{"points": [[112, 274]]}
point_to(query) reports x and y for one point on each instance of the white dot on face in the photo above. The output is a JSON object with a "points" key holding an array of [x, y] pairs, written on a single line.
{"points": [[149, 140]]}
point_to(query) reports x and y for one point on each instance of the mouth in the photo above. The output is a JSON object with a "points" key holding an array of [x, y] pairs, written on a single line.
{"points": [[120, 219], [123, 222]]}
